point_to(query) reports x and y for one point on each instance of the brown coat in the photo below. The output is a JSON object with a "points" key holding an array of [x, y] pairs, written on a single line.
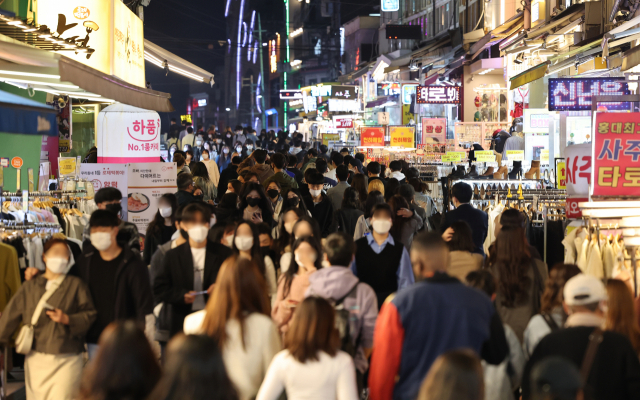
{"points": [[463, 262], [72, 297]]}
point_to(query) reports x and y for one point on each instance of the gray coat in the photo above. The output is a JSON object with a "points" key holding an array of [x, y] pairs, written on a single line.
{"points": [[336, 194], [72, 297]]}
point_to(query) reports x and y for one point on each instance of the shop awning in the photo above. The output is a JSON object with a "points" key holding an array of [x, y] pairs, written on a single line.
{"points": [[507, 29], [381, 101], [404, 61], [25, 66], [529, 75], [162, 58], [631, 58], [23, 116]]}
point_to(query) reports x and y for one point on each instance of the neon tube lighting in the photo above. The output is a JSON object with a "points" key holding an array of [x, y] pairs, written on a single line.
{"points": [[49, 76], [255, 52], [246, 33], [238, 75], [258, 94], [226, 10], [63, 85], [253, 20]]}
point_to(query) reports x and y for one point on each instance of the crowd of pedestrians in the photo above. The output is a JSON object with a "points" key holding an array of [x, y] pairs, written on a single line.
{"points": [[280, 271]]}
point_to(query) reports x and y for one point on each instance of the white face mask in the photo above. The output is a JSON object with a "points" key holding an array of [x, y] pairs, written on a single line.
{"points": [[315, 193], [225, 151], [205, 156], [228, 241], [198, 233], [243, 243], [312, 258], [249, 147], [381, 226], [198, 142], [101, 240], [57, 265], [165, 212], [239, 149]]}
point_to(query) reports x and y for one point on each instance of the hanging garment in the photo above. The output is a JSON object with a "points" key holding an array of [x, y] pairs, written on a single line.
{"points": [[10, 272], [582, 255], [555, 247], [608, 259], [570, 253], [594, 266]]}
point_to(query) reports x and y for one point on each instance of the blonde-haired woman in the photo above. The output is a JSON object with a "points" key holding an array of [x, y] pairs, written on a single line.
{"points": [[376, 185]]}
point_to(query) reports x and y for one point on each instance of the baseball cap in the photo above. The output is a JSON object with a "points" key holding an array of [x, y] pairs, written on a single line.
{"points": [[555, 377], [584, 289]]}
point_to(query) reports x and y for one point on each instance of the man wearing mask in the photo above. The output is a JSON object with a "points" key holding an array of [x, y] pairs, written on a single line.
{"points": [[188, 139], [240, 136], [117, 278], [187, 192], [110, 199], [188, 274], [318, 203], [286, 182], [379, 261], [228, 174]]}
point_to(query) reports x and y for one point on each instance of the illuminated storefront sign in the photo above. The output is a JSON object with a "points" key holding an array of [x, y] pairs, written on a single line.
{"points": [[343, 105], [273, 56], [574, 94], [388, 89], [438, 95], [290, 94], [402, 136], [372, 136], [112, 34], [536, 120], [408, 93], [390, 5], [343, 122]]}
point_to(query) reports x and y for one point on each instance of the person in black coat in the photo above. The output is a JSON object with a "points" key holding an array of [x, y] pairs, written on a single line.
{"points": [[318, 203], [228, 174], [191, 268], [477, 219], [346, 218]]}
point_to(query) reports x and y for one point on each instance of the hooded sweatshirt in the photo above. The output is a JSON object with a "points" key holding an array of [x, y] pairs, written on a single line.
{"points": [[334, 284], [398, 175], [263, 171]]}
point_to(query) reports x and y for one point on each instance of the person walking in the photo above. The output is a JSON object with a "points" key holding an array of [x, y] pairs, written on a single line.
{"points": [[455, 375], [347, 217], [621, 314], [202, 181], [209, 160], [58, 311], [407, 340], [254, 204], [162, 227], [477, 219], [187, 191], [462, 259], [286, 182], [363, 225], [318, 202], [311, 367], [336, 193]]}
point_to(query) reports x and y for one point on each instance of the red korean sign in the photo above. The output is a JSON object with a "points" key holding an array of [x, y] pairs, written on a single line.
{"points": [[616, 148], [372, 136], [572, 207], [343, 123], [434, 130], [577, 169]]}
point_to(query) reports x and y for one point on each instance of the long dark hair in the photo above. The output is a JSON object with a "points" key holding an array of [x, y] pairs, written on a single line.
{"points": [[194, 370], [360, 183], [351, 199], [156, 224], [265, 203], [256, 252], [558, 277], [462, 238], [374, 198], [293, 267], [124, 368], [397, 202], [200, 170], [240, 290], [390, 190], [510, 260], [284, 238]]}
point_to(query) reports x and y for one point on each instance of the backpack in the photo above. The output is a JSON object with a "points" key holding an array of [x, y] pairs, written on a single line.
{"points": [[343, 316]]}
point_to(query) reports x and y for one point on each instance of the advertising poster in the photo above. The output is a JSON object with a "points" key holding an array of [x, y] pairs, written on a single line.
{"points": [[434, 134], [402, 136], [372, 136], [107, 175], [146, 183], [67, 166], [63, 119], [616, 148]]}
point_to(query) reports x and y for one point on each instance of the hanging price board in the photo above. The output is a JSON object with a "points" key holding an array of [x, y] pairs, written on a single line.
{"points": [[544, 157], [485, 156], [452, 156], [515, 155]]}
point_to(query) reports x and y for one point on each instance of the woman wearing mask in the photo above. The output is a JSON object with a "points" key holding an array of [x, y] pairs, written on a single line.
{"points": [[194, 370], [240, 136], [240, 150], [228, 137], [225, 158], [521, 278], [246, 242], [621, 315], [198, 146], [304, 226], [60, 309], [363, 226], [312, 367], [201, 178], [294, 283], [249, 147], [263, 139], [273, 191], [124, 368], [216, 144], [254, 205], [552, 316], [285, 231], [162, 227], [208, 159], [237, 318], [462, 259]]}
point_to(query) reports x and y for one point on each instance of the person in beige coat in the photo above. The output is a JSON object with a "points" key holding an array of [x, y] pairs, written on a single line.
{"points": [[53, 366], [462, 259]]}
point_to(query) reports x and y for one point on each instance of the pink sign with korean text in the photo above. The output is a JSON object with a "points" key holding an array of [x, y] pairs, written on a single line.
{"points": [[128, 134]]}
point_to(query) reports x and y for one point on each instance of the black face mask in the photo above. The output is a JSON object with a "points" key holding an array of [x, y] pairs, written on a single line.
{"points": [[114, 208], [253, 201], [293, 201], [273, 193], [200, 197]]}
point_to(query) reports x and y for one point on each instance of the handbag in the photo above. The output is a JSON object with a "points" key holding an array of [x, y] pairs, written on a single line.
{"points": [[24, 341]]}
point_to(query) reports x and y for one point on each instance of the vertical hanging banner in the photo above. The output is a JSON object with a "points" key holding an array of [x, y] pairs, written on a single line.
{"points": [[63, 118], [402, 136], [372, 136], [107, 175], [128, 134], [616, 151], [146, 183]]}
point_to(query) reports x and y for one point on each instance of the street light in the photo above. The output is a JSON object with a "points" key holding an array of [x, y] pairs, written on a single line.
{"points": [[228, 109]]}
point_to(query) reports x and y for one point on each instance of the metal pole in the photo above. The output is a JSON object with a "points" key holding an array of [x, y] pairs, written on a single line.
{"points": [[545, 215], [264, 116]]}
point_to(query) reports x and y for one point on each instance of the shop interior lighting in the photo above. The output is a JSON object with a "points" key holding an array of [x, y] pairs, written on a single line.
{"points": [[611, 212], [15, 22], [486, 71], [48, 76], [610, 204], [295, 63], [296, 33], [62, 85]]}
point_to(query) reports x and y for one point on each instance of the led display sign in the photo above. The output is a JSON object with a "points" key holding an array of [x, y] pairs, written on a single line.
{"points": [[574, 94], [438, 95], [290, 94]]}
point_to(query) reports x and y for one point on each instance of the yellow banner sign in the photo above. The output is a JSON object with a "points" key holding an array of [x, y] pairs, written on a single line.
{"points": [[452, 156], [485, 156], [326, 137], [402, 136], [515, 155], [67, 166], [561, 173]]}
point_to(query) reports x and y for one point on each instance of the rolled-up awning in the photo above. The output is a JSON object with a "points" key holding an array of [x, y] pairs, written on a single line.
{"points": [[162, 58], [529, 75], [27, 117]]}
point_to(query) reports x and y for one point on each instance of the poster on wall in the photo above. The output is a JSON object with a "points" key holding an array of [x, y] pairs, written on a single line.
{"points": [[146, 183], [107, 175], [402, 136], [616, 151], [372, 136], [63, 119], [434, 134]]}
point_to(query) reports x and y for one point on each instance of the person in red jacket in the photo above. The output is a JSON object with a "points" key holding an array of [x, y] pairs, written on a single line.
{"points": [[427, 319]]}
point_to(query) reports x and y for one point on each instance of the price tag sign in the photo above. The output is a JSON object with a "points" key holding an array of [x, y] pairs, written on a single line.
{"points": [[485, 156], [30, 175], [452, 156], [544, 157], [66, 166], [515, 155]]}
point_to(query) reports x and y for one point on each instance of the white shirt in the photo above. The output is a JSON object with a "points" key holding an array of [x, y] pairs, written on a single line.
{"points": [[330, 378], [198, 272], [331, 174]]}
